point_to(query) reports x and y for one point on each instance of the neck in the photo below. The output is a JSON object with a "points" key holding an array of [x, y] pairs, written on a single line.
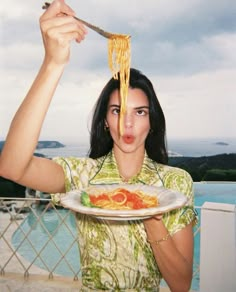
{"points": [[129, 164]]}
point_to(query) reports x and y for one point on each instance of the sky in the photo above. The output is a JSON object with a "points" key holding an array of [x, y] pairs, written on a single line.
{"points": [[187, 48]]}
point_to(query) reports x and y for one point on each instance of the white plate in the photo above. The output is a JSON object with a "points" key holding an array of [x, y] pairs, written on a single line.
{"points": [[168, 200]]}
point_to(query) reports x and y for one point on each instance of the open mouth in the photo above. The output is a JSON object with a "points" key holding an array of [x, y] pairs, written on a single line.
{"points": [[128, 139]]}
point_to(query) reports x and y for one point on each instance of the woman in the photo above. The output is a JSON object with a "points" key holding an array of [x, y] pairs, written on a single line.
{"points": [[115, 255]]}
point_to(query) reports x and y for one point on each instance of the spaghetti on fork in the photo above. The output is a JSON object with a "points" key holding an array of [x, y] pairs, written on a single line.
{"points": [[119, 59]]}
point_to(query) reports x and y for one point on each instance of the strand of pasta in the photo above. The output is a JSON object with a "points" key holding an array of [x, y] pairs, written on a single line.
{"points": [[119, 59]]}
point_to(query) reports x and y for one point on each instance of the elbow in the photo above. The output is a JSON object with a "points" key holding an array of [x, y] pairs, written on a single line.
{"points": [[185, 288], [182, 286], [10, 172]]}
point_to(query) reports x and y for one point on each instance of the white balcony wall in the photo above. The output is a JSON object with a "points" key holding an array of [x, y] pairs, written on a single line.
{"points": [[218, 248]]}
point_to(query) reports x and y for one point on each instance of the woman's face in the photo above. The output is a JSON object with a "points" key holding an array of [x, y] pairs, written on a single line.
{"points": [[136, 120]]}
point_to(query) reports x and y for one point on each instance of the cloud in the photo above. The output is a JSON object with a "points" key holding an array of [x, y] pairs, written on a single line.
{"points": [[20, 10], [201, 103]]}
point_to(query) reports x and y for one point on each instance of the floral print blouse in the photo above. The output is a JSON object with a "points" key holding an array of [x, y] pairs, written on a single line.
{"points": [[115, 255]]}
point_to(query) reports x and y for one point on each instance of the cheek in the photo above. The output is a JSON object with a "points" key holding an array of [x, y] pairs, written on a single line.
{"points": [[143, 126], [145, 133], [113, 123]]}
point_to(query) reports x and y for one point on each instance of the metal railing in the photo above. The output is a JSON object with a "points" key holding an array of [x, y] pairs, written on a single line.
{"points": [[38, 238]]}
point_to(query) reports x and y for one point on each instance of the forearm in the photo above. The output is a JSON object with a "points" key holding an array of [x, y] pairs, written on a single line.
{"points": [[27, 123], [175, 267]]}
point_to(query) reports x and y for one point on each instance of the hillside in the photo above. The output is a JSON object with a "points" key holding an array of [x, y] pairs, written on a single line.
{"points": [[220, 167]]}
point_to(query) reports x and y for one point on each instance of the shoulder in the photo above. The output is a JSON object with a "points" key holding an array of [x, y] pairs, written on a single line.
{"points": [[176, 178], [75, 166], [174, 171], [75, 162]]}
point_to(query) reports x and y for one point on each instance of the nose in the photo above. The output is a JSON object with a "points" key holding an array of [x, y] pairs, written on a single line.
{"points": [[128, 120]]}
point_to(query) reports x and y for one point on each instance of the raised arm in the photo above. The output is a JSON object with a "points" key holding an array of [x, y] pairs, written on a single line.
{"points": [[17, 162]]}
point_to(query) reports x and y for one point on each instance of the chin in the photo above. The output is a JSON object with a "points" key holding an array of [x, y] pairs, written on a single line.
{"points": [[131, 148]]}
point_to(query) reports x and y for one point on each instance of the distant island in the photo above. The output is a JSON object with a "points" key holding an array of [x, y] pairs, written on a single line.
{"points": [[221, 143], [49, 144], [42, 144]]}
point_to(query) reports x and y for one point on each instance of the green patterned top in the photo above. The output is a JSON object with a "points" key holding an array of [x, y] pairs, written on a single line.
{"points": [[115, 255]]}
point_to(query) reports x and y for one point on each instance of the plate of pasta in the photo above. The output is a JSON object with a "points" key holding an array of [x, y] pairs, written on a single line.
{"points": [[123, 202]]}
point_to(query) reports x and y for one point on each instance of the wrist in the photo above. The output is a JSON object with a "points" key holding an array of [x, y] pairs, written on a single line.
{"points": [[51, 70], [53, 64], [159, 241], [156, 231], [156, 220]]}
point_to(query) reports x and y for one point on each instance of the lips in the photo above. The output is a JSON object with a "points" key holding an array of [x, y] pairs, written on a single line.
{"points": [[128, 139]]}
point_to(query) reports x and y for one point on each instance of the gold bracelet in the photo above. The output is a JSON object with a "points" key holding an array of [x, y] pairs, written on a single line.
{"points": [[157, 242]]}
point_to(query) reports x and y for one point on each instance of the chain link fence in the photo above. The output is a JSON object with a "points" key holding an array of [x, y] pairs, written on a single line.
{"points": [[39, 238]]}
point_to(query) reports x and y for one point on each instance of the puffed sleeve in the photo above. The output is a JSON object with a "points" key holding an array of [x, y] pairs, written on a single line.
{"points": [[180, 180]]}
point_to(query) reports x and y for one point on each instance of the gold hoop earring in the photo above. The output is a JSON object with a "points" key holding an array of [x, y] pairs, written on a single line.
{"points": [[106, 128]]}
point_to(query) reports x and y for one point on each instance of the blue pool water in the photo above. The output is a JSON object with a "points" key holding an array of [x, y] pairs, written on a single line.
{"points": [[50, 239], [64, 236]]}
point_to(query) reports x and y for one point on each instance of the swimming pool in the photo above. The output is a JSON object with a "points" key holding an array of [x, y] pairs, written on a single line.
{"points": [[44, 242]]}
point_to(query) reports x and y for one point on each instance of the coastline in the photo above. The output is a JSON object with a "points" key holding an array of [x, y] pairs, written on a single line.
{"points": [[177, 147]]}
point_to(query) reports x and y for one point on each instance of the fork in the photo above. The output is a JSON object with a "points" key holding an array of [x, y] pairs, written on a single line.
{"points": [[100, 31]]}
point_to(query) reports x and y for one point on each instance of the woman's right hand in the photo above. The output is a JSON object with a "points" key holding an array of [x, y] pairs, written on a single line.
{"points": [[59, 29]]}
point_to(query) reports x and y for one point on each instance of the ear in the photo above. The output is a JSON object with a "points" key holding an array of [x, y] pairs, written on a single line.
{"points": [[106, 124], [106, 127]]}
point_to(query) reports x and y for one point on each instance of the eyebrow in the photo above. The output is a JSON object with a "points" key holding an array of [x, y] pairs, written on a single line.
{"points": [[142, 107], [137, 108], [114, 105]]}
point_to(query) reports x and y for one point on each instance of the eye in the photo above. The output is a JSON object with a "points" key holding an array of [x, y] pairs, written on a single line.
{"points": [[142, 112], [116, 111]]}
